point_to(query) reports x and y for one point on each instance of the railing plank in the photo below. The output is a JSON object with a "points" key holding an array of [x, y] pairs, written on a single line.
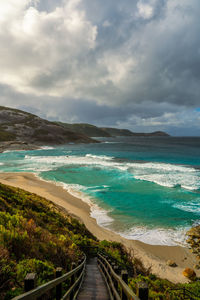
{"points": [[39, 291], [83, 275], [116, 295], [73, 286], [105, 278], [59, 286], [129, 293]]}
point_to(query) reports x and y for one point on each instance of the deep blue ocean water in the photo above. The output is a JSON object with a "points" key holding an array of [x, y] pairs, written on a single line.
{"points": [[145, 188]]}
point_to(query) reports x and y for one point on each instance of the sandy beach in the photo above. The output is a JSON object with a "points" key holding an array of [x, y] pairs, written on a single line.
{"points": [[151, 256]]}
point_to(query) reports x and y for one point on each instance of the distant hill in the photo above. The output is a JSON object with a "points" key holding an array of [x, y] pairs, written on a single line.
{"points": [[94, 131], [19, 127], [87, 129], [125, 132], [23, 131], [117, 132]]}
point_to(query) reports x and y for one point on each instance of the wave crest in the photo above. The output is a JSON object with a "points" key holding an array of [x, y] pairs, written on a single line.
{"points": [[163, 174]]}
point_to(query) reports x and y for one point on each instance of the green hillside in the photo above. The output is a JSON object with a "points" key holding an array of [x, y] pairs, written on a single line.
{"points": [[38, 236], [94, 131], [20, 126], [87, 129]]}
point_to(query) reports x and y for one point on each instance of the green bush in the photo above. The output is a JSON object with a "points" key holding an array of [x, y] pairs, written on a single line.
{"points": [[44, 269], [35, 236]]}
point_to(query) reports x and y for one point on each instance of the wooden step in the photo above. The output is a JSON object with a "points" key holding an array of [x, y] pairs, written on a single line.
{"points": [[94, 287]]}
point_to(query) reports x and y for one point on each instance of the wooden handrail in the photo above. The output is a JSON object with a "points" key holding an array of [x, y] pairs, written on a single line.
{"points": [[111, 276], [42, 289], [74, 285], [110, 283]]}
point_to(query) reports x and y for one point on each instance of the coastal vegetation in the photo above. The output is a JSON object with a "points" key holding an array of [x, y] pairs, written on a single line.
{"points": [[38, 236]]}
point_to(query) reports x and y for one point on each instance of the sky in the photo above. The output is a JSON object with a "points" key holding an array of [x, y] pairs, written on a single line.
{"points": [[128, 63]]}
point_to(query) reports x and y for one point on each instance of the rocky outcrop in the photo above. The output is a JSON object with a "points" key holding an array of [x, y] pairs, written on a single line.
{"points": [[171, 263], [189, 273], [16, 145], [194, 242], [21, 128]]}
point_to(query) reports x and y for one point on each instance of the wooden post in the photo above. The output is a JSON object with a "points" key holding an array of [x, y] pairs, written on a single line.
{"points": [[112, 265], [79, 262], [73, 279], [142, 290], [30, 282], [116, 270], [59, 286], [103, 266], [124, 275], [109, 261]]}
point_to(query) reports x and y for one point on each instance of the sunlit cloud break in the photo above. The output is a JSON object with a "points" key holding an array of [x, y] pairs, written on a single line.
{"points": [[78, 60]]}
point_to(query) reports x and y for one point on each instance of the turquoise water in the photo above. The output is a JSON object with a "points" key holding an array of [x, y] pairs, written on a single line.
{"points": [[144, 188]]}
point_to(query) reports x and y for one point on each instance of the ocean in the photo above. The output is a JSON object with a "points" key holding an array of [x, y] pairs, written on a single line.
{"points": [[145, 188]]}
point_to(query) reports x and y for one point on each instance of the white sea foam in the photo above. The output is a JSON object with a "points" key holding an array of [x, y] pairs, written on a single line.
{"points": [[101, 215], [192, 187], [160, 173], [78, 191], [8, 151], [193, 207], [157, 236], [57, 161], [111, 142], [99, 157], [163, 174], [168, 175], [46, 148], [1, 164]]}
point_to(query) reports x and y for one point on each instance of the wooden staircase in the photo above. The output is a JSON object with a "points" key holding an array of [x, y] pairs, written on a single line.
{"points": [[95, 278], [94, 287]]}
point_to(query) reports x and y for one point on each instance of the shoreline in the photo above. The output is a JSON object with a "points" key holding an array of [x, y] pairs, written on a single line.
{"points": [[153, 256]]}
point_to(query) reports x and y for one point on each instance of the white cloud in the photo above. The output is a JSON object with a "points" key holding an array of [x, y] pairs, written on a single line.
{"points": [[37, 43], [145, 10], [178, 121], [119, 54]]}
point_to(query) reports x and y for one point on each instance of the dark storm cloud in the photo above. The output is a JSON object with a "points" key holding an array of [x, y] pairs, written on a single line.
{"points": [[133, 63]]}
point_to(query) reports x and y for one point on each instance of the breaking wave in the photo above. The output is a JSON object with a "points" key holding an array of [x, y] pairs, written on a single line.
{"points": [[164, 174], [157, 236]]}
